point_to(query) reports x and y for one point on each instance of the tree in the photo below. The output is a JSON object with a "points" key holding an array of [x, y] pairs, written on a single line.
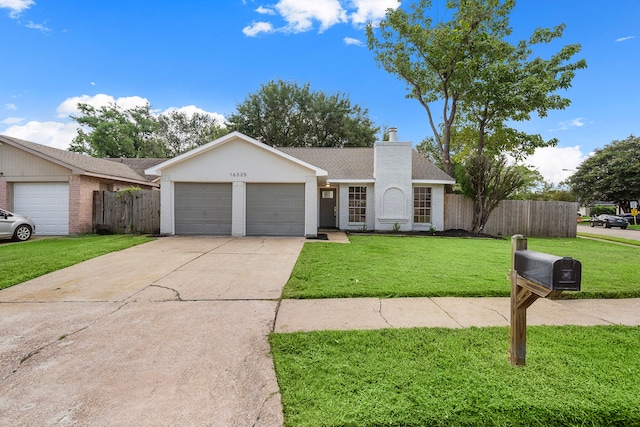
{"points": [[116, 132], [112, 131], [181, 132], [288, 115], [488, 180], [611, 174], [435, 59], [484, 81]]}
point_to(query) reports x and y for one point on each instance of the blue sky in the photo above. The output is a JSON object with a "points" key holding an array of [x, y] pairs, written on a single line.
{"points": [[209, 55]]}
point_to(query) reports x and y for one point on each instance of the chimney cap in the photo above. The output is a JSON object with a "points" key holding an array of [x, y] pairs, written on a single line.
{"points": [[393, 134]]}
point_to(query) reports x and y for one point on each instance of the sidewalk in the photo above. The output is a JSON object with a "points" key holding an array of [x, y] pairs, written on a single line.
{"points": [[446, 312]]}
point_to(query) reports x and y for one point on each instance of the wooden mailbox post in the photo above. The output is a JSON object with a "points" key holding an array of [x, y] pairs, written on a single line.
{"points": [[535, 275]]}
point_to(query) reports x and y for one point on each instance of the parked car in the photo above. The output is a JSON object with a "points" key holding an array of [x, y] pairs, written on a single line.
{"points": [[630, 219], [609, 221], [16, 227]]}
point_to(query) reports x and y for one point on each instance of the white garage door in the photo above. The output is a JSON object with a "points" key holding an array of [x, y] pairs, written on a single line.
{"points": [[275, 209], [46, 203], [202, 208]]}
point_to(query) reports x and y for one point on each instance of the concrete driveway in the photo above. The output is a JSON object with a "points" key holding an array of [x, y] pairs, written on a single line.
{"points": [[172, 332]]}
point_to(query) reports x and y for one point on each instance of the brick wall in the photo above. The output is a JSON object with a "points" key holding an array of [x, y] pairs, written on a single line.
{"points": [[81, 190]]}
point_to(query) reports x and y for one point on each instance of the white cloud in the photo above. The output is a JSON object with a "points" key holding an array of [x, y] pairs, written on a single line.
{"points": [[40, 27], [555, 163], [567, 124], [352, 41], [624, 39], [371, 10], [257, 28], [12, 121], [265, 11], [16, 7], [10, 107], [59, 134], [300, 14], [191, 109], [70, 105], [53, 134]]}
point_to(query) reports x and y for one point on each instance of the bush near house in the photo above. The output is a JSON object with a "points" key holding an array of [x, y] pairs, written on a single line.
{"points": [[600, 210]]}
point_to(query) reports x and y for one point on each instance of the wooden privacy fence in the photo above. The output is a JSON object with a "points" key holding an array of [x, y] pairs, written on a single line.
{"points": [[527, 217], [126, 212]]}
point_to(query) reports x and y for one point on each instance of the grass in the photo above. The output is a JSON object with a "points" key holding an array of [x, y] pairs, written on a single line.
{"points": [[575, 376], [610, 238], [27, 260], [392, 266]]}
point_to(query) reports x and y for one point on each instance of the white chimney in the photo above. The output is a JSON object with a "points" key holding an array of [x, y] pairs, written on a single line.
{"points": [[393, 134]]}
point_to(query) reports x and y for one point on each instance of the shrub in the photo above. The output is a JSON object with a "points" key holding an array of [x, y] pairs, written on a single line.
{"points": [[599, 210]]}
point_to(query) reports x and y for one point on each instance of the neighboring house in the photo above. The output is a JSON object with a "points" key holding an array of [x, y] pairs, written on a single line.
{"points": [[55, 187], [239, 186]]}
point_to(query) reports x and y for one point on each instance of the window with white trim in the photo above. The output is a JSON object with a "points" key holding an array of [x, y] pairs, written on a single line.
{"points": [[422, 205], [357, 204]]}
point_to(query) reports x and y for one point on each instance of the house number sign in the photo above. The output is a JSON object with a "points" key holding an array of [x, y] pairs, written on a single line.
{"points": [[237, 174]]}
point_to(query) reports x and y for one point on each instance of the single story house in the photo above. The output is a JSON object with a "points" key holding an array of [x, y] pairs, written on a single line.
{"points": [[55, 187], [239, 186]]}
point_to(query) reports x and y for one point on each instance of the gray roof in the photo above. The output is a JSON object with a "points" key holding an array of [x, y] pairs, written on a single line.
{"points": [[78, 163], [140, 165], [357, 163]]}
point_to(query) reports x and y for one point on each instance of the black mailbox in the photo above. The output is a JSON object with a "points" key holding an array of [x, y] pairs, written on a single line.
{"points": [[553, 272]]}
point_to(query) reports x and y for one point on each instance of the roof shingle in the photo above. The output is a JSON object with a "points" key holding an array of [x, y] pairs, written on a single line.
{"points": [[86, 164], [357, 162]]}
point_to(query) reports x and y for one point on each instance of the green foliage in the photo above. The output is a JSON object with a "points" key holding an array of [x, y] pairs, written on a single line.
{"points": [[181, 132], [393, 266], [600, 209], [483, 80], [611, 174], [285, 114], [111, 131], [116, 132], [488, 180], [575, 376], [28, 260]]}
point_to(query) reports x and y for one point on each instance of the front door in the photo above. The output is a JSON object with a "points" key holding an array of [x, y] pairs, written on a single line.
{"points": [[328, 208]]}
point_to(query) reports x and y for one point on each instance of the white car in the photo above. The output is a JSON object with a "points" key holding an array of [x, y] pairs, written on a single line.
{"points": [[16, 227]]}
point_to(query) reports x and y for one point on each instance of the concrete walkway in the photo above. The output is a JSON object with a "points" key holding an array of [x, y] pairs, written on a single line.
{"points": [[375, 313], [172, 332]]}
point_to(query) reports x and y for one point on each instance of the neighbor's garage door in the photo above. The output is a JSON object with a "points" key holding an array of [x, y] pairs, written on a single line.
{"points": [[275, 209], [202, 208], [46, 203]]}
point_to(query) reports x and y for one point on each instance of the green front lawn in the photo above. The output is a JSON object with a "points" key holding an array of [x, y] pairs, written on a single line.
{"points": [[575, 376], [393, 266], [26, 260]]}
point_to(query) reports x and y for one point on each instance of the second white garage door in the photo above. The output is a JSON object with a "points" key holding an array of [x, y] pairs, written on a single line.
{"points": [[203, 208], [47, 203], [275, 209]]}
